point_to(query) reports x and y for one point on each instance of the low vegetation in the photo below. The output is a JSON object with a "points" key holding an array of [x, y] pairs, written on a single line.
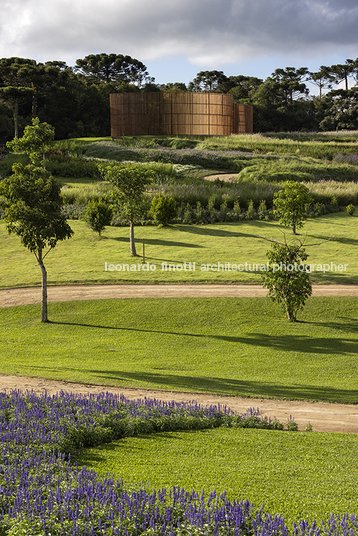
{"points": [[327, 164]]}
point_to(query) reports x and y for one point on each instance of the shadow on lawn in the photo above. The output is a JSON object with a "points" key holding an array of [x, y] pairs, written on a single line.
{"points": [[210, 385], [340, 239], [228, 386], [285, 342], [335, 278], [157, 242], [208, 231]]}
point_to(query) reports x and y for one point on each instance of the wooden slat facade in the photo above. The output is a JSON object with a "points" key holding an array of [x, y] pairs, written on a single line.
{"points": [[177, 113], [243, 119]]}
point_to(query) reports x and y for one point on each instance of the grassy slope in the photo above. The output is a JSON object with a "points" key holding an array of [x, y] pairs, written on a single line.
{"points": [[228, 346], [82, 258], [298, 475]]}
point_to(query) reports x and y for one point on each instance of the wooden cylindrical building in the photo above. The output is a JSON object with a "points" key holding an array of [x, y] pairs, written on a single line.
{"points": [[177, 113]]}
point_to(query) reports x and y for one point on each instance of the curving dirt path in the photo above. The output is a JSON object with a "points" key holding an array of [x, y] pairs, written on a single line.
{"points": [[29, 295], [226, 177], [324, 417]]}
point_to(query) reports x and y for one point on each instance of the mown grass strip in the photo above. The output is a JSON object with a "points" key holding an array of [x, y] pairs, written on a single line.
{"points": [[297, 475], [226, 346]]}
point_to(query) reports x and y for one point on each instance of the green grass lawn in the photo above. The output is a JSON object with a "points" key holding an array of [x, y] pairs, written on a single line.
{"points": [[224, 346], [295, 474], [82, 258]]}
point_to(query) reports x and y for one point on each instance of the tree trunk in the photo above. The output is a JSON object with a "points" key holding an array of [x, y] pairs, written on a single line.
{"points": [[131, 239], [290, 315], [44, 317], [16, 117], [34, 105]]}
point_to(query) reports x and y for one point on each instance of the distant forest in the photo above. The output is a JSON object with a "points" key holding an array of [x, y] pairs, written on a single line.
{"points": [[75, 100]]}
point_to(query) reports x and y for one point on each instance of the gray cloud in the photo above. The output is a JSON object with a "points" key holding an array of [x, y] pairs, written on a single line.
{"points": [[207, 32]]}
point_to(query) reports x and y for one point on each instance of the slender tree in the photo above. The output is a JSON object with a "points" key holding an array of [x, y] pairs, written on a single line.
{"points": [[341, 72], [16, 84], [322, 79], [287, 278], [33, 205], [291, 82], [130, 182]]}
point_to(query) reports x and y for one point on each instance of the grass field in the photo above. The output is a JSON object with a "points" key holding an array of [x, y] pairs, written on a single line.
{"points": [[82, 258], [226, 346], [295, 474]]}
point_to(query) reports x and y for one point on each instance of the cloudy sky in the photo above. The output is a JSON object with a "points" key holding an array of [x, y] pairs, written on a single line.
{"points": [[176, 39]]}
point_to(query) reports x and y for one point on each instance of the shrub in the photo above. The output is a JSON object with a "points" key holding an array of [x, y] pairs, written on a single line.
{"points": [[251, 212], [262, 211], [163, 209], [97, 215], [351, 210]]}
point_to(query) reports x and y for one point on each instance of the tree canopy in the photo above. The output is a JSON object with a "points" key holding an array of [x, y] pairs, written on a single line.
{"points": [[290, 204], [287, 278], [113, 68]]}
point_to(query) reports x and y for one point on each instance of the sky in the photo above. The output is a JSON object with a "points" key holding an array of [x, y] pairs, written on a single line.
{"points": [[176, 39]]}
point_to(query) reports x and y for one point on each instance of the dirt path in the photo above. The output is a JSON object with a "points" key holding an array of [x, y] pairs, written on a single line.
{"points": [[28, 295], [226, 177], [323, 417]]}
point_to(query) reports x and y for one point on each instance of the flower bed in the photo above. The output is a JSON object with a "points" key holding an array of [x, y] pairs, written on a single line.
{"points": [[43, 493]]}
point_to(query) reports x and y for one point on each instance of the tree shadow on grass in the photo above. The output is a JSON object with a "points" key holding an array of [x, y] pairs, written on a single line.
{"points": [[348, 325], [212, 385], [340, 239], [158, 242], [195, 229], [286, 342], [332, 277]]}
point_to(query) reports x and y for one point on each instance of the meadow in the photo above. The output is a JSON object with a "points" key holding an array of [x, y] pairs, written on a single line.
{"points": [[329, 239], [224, 346]]}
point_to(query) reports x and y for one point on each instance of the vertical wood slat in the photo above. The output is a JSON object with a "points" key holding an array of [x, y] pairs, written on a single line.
{"points": [[178, 113], [243, 119]]}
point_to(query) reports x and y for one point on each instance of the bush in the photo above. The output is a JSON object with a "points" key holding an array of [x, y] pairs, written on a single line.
{"points": [[97, 215], [351, 210], [163, 209]]}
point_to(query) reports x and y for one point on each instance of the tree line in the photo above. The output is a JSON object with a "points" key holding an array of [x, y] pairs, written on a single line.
{"points": [[75, 100]]}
